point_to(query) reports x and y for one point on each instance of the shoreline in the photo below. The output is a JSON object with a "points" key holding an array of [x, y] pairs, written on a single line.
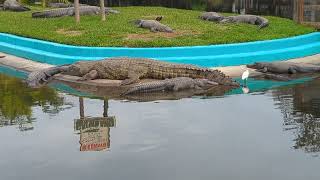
{"points": [[26, 65]]}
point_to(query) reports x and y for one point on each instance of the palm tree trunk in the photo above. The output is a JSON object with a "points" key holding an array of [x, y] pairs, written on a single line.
{"points": [[77, 11], [102, 10]]}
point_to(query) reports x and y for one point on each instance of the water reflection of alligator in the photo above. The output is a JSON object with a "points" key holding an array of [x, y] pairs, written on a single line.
{"points": [[94, 131], [70, 11], [174, 84], [300, 105], [130, 70], [117, 92]]}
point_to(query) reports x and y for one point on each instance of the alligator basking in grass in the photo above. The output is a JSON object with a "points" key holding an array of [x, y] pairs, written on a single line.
{"points": [[60, 12], [249, 19], [285, 67], [60, 5], [153, 25], [13, 5], [174, 84], [131, 70], [211, 16]]}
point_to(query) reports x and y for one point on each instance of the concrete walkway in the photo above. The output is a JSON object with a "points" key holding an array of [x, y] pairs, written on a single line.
{"points": [[29, 66]]}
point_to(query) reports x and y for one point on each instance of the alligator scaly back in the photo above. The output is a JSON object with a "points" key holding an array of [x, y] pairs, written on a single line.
{"points": [[133, 69]]}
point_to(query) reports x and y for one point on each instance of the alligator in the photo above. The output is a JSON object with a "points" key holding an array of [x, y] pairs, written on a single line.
{"points": [[13, 5], [211, 16], [250, 19], [130, 70], [274, 77], [153, 25], [285, 67], [173, 84], [60, 5], [84, 10], [38, 78]]}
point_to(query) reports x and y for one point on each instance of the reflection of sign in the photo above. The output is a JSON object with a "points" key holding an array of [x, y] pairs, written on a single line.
{"points": [[94, 133], [95, 140], [86, 124]]}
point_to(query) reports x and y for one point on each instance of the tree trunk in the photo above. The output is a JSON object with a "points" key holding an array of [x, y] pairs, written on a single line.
{"points": [[77, 11], [102, 10]]}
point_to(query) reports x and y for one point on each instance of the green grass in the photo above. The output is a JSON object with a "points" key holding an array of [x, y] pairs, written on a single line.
{"points": [[117, 28]]}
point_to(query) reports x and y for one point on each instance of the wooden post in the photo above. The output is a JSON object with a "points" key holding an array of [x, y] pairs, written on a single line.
{"points": [[102, 10], [301, 11], [105, 107], [77, 11], [81, 107]]}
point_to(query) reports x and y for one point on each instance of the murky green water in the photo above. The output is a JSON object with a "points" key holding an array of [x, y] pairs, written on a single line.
{"points": [[46, 134]]}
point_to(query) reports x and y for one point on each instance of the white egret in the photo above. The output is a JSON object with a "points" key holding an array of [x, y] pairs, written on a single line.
{"points": [[245, 77]]}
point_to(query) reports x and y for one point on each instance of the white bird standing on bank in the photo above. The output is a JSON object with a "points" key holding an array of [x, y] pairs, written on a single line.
{"points": [[245, 76]]}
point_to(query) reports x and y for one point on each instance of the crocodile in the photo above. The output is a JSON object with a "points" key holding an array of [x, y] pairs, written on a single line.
{"points": [[249, 19], [60, 5], [285, 67], [130, 70], [13, 5], [84, 10], [38, 78], [173, 84], [211, 16], [153, 25]]}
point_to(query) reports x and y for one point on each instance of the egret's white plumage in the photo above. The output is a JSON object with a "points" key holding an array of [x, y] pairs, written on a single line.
{"points": [[245, 75]]}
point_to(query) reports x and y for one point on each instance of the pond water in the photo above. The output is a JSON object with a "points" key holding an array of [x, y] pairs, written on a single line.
{"points": [[47, 134]]}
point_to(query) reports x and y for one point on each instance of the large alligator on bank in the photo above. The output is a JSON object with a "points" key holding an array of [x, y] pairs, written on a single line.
{"points": [[174, 84], [249, 19], [60, 12], [131, 70], [211, 16], [153, 26], [285, 67], [13, 5]]}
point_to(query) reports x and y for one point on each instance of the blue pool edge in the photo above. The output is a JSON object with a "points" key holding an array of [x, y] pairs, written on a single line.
{"points": [[205, 56]]}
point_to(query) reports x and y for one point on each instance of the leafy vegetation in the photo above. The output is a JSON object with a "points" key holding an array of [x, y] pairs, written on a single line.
{"points": [[16, 99], [118, 29]]}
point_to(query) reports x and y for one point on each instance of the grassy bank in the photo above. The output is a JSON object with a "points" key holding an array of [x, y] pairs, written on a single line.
{"points": [[118, 31]]}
